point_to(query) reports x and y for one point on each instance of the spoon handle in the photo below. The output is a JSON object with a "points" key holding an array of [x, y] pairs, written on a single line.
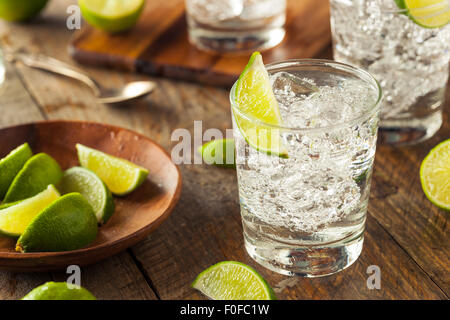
{"points": [[55, 66]]}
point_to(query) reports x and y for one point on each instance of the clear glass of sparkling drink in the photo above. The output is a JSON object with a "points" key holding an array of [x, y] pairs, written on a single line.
{"points": [[236, 25], [409, 59], [304, 213]]}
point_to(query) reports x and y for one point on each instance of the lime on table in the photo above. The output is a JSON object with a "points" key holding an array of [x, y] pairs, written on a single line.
{"points": [[88, 184], [231, 280], [219, 152], [427, 13], [59, 291], [435, 175], [121, 176], [20, 10], [15, 219], [38, 172], [69, 223], [255, 100], [11, 165], [111, 15]]}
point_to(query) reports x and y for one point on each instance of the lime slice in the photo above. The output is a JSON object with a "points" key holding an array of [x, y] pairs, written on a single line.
{"points": [[20, 10], [435, 175], [231, 280], [38, 172], [89, 185], [69, 223], [219, 152], [254, 97], [15, 219], [11, 165], [59, 291], [121, 176], [111, 15], [427, 13]]}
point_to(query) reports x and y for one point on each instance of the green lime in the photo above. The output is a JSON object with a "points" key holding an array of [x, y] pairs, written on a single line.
{"points": [[231, 280], [20, 10], [427, 13], [435, 175], [59, 291], [121, 176], [254, 97], [38, 172], [15, 219], [87, 183], [67, 224], [219, 152], [11, 165], [111, 15]]}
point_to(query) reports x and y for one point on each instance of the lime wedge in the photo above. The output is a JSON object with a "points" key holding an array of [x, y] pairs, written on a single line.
{"points": [[90, 186], [231, 280], [111, 15], [254, 97], [11, 165], [15, 219], [219, 152], [435, 175], [69, 223], [59, 291], [121, 176], [427, 13], [38, 172]]}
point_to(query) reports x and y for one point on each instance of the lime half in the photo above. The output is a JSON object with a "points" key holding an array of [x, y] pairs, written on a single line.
{"points": [[254, 98], [231, 280], [427, 13], [435, 175], [15, 219], [111, 15], [121, 176], [90, 186], [59, 291]]}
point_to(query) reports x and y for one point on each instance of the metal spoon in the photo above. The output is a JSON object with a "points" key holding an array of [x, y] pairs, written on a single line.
{"points": [[131, 91]]}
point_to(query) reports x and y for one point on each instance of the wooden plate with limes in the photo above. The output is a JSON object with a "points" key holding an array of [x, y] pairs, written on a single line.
{"points": [[136, 215]]}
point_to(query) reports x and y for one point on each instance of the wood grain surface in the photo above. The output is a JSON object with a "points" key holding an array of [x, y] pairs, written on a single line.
{"points": [[406, 236], [159, 45]]}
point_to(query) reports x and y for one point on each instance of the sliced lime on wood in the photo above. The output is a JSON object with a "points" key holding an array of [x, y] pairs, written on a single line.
{"points": [[427, 13], [435, 175], [231, 280], [254, 100]]}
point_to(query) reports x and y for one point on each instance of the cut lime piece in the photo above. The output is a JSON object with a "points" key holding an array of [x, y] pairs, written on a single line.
{"points": [[59, 291], [435, 175], [254, 97], [427, 13], [15, 219], [219, 152], [87, 183], [121, 176], [69, 223], [20, 10], [111, 15], [231, 280], [38, 172], [11, 165]]}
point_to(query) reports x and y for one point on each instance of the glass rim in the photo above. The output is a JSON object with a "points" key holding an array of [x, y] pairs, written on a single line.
{"points": [[362, 74]]}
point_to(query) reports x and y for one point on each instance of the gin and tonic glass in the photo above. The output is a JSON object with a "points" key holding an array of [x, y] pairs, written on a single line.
{"points": [[235, 25], [304, 211], [409, 60]]}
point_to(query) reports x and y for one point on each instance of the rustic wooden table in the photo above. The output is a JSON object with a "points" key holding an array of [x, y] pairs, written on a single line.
{"points": [[406, 236]]}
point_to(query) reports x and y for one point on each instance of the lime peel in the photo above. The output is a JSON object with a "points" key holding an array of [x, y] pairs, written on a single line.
{"points": [[426, 13]]}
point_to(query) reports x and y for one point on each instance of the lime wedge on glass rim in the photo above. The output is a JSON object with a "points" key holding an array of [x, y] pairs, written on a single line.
{"points": [[435, 175], [256, 111], [427, 13], [231, 280], [111, 15]]}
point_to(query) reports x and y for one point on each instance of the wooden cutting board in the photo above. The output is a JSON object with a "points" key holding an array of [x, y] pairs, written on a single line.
{"points": [[158, 45]]}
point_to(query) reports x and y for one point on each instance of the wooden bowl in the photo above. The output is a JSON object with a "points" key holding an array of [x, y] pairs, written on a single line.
{"points": [[136, 215]]}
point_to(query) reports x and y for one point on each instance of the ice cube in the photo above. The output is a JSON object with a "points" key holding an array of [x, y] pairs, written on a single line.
{"points": [[284, 82]]}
